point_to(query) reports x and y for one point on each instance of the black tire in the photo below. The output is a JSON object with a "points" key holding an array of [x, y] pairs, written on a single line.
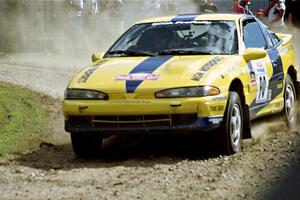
{"points": [[86, 145], [290, 103], [232, 128]]}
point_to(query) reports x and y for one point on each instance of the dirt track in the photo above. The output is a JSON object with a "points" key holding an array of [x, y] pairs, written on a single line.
{"points": [[148, 168]]}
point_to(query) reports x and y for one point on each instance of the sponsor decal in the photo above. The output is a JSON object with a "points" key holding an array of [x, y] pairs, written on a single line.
{"points": [[137, 77], [184, 18], [253, 78], [179, 22], [278, 105], [217, 108], [130, 102], [261, 82], [198, 76], [90, 71], [200, 73], [192, 22], [161, 23], [211, 63], [215, 120], [87, 74], [148, 66], [259, 65]]}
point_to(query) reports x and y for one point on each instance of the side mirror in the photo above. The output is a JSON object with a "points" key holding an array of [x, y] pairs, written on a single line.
{"points": [[254, 54], [97, 56]]}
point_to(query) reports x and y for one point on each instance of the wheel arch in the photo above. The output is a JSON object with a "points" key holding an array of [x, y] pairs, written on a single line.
{"points": [[238, 87]]}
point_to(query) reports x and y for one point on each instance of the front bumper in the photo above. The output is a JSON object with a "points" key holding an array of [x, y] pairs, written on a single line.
{"points": [[144, 116], [174, 123]]}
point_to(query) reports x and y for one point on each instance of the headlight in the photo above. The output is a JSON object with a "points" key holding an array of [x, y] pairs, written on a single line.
{"points": [[84, 94], [198, 91]]}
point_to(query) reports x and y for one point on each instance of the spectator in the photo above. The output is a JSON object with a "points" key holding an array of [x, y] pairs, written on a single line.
{"points": [[260, 14], [271, 4], [237, 8], [275, 13], [114, 8], [208, 7], [91, 7], [76, 8], [246, 5], [293, 14]]}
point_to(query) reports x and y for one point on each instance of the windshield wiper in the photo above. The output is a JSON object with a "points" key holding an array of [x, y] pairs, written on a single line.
{"points": [[132, 53], [184, 52]]}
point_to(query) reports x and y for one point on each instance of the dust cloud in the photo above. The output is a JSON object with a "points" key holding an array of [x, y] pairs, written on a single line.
{"points": [[296, 43], [49, 26], [290, 29], [267, 128]]}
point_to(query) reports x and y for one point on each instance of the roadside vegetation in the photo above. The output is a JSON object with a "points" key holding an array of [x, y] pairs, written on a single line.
{"points": [[22, 119]]}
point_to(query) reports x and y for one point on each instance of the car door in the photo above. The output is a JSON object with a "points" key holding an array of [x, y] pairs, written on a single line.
{"points": [[277, 78], [260, 70]]}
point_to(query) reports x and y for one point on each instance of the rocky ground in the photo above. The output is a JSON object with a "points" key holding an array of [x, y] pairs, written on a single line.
{"points": [[177, 167]]}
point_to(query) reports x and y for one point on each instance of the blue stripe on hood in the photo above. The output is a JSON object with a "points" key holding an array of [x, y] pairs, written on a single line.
{"points": [[147, 66]]}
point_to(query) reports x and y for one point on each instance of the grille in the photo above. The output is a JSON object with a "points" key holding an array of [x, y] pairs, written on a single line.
{"points": [[131, 121]]}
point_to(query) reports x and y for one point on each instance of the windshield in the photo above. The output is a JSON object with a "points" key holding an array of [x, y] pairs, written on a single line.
{"points": [[192, 37]]}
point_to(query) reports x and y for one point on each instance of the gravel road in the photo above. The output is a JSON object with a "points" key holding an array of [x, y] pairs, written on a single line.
{"points": [[136, 168]]}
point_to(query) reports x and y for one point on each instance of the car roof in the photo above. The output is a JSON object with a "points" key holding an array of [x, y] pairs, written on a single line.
{"points": [[194, 17]]}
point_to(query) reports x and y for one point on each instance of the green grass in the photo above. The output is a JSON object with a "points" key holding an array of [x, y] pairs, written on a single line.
{"points": [[22, 119]]}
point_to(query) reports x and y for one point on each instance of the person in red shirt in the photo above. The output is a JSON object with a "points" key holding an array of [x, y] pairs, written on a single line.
{"points": [[271, 4], [237, 8]]}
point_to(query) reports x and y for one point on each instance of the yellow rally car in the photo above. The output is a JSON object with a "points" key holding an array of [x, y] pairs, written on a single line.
{"points": [[184, 73]]}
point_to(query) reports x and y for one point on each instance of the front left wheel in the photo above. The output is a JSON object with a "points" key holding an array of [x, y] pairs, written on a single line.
{"points": [[232, 125], [86, 145]]}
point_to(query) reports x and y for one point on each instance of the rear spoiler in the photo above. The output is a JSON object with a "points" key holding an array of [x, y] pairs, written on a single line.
{"points": [[286, 38]]}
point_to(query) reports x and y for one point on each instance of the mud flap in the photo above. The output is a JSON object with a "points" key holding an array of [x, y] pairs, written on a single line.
{"points": [[297, 88], [247, 129]]}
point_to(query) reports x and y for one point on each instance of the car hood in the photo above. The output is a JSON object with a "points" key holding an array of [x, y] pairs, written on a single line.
{"points": [[148, 74]]}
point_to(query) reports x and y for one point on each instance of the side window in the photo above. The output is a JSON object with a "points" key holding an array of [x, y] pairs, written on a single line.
{"points": [[253, 36], [273, 37], [268, 39]]}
